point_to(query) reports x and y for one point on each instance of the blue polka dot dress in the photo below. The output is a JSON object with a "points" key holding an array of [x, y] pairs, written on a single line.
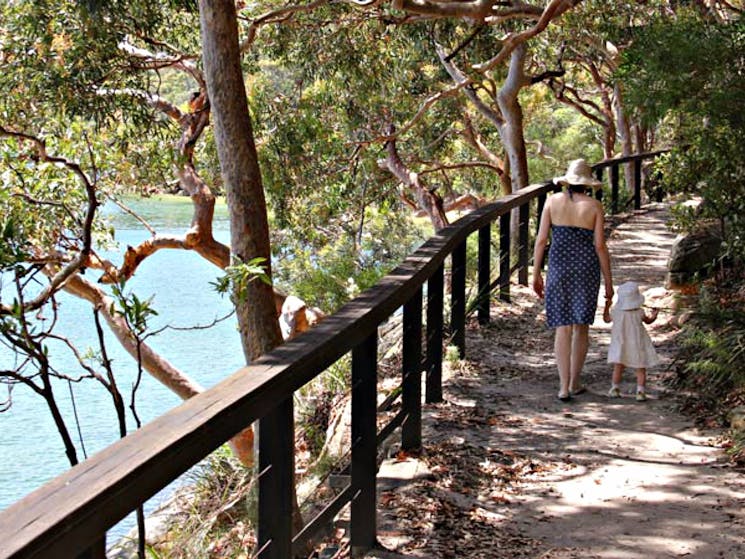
{"points": [[573, 278]]}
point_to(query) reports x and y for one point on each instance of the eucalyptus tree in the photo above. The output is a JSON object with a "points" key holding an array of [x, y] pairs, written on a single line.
{"points": [[588, 47], [426, 91]]}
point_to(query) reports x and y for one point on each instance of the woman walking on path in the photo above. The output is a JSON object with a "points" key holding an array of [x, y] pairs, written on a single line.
{"points": [[577, 257]]}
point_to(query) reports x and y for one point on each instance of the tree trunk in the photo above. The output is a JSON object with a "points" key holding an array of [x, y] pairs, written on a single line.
{"points": [[627, 141], [427, 199], [512, 134], [257, 316], [249, 225]]}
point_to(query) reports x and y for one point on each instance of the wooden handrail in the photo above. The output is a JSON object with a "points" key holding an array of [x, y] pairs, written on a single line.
{"points": [[65, 517]]}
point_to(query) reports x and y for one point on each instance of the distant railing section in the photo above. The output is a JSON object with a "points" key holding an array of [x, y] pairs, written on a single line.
{"points": [[69, 516]]}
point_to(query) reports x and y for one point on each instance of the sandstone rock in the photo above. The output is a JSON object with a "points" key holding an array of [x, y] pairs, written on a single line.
{"points": [[691, 254], [737, 418]]}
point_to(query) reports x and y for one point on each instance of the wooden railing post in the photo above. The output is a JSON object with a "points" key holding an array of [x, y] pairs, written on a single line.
{"points": [[276, 480], [411, 429], [435, 300], [614, 188], [364, 445], [637, 184], [484, 268], [458, 299], [599, 176], [541, 203], [96, 551], [522, 274], [504, 256]]}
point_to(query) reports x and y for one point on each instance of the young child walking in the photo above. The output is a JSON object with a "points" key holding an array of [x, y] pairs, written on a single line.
{"points": [[630, 344]]}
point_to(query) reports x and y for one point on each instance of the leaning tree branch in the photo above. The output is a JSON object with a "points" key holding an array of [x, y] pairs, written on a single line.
{"points": [[576, 103], [472, 9], [554, 9], [427, 199], [467, 41], [461, 79], [157, 366], [77, 262], [147, 60], [278, 16], [546, 75]]}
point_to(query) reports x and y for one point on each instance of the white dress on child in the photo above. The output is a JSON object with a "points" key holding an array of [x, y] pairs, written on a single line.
{"points": [[630, 343]]}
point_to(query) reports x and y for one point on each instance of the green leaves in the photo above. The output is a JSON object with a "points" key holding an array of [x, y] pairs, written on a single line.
{"points": [[686, 76], [238, 276], [135, 311]]}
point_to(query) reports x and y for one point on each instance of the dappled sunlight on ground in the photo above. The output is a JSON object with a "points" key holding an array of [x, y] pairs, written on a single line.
{"points": [[513, 472]]}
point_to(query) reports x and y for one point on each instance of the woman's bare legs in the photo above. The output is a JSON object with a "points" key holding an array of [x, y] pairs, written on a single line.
{"points": [[562, 350], [580, 343]]}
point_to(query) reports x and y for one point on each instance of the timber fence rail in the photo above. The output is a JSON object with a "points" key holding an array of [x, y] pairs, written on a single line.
{"points": [[70, 515]]}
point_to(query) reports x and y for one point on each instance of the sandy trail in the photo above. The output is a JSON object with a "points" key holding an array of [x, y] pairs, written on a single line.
{"points": [[510, 471]]}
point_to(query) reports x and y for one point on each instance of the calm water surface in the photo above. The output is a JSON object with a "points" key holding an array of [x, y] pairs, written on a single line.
{"points": [[179, 283]]}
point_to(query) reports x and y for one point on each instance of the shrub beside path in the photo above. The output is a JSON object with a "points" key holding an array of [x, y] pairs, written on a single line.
{"points": [[509, 471]]}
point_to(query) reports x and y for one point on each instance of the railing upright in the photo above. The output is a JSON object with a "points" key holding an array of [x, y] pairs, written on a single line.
{"points": [[411, 429], [435, 300], [364, 445], [614, 188], [523, 253], [637, 184], [541, 201], [504, 256], [599, 176], [484, 267], [458, 299], [276, 481]]}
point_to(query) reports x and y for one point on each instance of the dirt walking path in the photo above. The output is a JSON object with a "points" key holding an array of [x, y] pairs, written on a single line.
{"points": [[509, 471]]}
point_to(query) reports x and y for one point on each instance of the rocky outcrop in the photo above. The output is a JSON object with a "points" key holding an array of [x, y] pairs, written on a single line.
{"points": [[693, 254]]}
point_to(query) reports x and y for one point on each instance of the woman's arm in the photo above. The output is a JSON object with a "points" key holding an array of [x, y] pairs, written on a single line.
{"points": [[602, 250], [539, 249]]}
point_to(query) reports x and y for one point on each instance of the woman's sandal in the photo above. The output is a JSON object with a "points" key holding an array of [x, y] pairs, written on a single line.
{"points": [[564, 397], [578, 391]]}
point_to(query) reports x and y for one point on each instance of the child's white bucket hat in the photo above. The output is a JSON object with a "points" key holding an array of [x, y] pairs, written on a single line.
{"points": [[629, 297]]}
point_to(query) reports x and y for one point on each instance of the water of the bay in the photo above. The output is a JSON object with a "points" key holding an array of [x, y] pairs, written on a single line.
{"points": [[179, 283]]}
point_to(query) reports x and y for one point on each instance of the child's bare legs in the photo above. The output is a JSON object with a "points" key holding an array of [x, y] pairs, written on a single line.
{"points": [[615, 387], [641, 384], [641, 379], [562, 350], [580, 342]]}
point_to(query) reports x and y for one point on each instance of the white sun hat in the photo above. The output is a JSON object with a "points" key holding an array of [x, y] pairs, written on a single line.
{"points": [[629, 297], [579, 173]]}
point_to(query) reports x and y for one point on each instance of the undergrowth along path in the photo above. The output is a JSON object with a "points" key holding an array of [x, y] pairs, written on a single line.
{"points": [[508, 471]]}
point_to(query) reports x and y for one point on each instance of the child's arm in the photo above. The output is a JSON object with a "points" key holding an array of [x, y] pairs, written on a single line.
{"points": [[651, 317], [606, 310]]}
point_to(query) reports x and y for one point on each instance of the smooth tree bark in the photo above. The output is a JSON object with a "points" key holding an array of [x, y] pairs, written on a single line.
{"points": [[239, 164], [249, 237], [427, 199]]}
